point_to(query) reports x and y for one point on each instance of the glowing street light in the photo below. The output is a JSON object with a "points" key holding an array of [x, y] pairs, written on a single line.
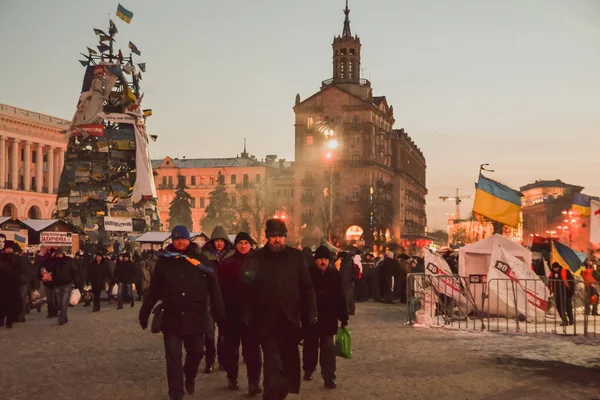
{"points": [[332, 144]]}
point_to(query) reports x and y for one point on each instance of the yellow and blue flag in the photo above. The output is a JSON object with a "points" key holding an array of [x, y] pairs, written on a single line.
{"points": [[20, 240], [124, 13], [134, 49], [497, 202], [566, 257], [142, 67], [582, 204]]}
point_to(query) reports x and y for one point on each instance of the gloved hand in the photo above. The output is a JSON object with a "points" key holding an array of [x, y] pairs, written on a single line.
{"points": [[344, 324], [143, 323]]}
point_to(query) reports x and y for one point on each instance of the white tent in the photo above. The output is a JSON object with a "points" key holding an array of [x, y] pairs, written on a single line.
{"points": [[474, 259]]}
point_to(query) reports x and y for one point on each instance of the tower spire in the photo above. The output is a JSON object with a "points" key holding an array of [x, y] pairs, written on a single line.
{"points": [[347, 32]]}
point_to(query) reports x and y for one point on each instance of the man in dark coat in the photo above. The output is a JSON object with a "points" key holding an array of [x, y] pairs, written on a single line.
{"points": [[331, 306], [348, 275], [64, 277], [125, 276], [98, 275], [24, 272], [10, 301], [230, 274], [280, 296], [217, 249], [562, 285], [371, 279], [188, 290], [388, 267]]}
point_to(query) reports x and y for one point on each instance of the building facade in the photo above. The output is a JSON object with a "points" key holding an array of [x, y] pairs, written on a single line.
{"points": [[32, 148], [356, 178], [548, 212]]}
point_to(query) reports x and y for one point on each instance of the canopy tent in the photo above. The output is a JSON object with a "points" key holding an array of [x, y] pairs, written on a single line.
{"points": [[474, 259], [329, 246]]}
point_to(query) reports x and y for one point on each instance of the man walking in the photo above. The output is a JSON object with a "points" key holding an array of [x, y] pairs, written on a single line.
{"points": [[125, 275], [64, 277], [562, 286], [9, 285], [186, 288], [331, 306], [230, 274], [280, 296], [98, 274]]}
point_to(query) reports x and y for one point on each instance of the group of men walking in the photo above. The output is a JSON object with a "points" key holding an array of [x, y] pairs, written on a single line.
{"points": [[268, 300]]}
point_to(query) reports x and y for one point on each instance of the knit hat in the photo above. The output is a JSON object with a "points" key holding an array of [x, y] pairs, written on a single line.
{"points": [[556, 265], [180, 232], [243, 236], [322, 252], [275, 227]]}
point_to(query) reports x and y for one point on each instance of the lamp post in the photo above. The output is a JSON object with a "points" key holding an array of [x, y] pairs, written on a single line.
{"points": [[331, 145], [570, 220]]}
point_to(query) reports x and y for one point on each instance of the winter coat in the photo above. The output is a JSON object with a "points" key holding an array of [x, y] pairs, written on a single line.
{"points": [[331, 301], [186, 292], [347, 272], [280, 292], [10, 299], [147, 271], [64, 271], [98, 273], [126, 272], [562, 282], [389, 266], [82, 267], [209, 256], [47, 263], [230, 274]]}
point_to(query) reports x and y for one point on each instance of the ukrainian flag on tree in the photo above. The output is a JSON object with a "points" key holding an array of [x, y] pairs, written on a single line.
{"points": [[497, 202], [124, 13]]}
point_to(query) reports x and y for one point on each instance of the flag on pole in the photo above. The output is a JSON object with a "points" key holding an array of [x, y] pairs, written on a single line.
{"points": [[147, 113], [20, 240], [142, 66], [595, 221], [497, 202], [134, 49], [99, 32], [92, 51], [124, 13], [566, 257]]}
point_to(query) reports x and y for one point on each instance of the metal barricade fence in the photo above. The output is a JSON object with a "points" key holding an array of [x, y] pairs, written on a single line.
{"points": [[503, 305]]}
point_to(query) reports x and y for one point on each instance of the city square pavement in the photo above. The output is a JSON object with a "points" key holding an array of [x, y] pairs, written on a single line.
{"points": [[106, 355]]}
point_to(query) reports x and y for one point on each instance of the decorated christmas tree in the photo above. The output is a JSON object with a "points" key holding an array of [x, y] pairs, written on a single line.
{"points": [[107, 185]]}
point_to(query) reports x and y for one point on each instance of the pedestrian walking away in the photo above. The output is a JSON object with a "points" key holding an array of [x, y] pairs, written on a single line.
{"points": [[185, 287]]}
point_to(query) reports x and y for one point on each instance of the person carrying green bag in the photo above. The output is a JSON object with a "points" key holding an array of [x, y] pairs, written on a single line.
{"points": [[343, 343], [331, 307]]}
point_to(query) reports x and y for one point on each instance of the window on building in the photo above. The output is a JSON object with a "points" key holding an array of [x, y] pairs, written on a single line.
{"points": [[352, 52], [310, 122], [183, 180], [202, 202], [164, 181], [34, 156], [356, 122], [355, 158], [355, 194], [233, 179], [170, 182], [343, 51], [309, 140], [193, 181], [292, 193], [246, 180], [257, 178], [278, 192], [308, 211], [342, 69], [193, 202], [212, 180], [202, 180], [285, 192]]}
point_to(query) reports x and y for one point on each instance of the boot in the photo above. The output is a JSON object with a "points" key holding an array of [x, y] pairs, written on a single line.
{"points": [[190, 385], [308, 376], [254, 389], [232, 384], [208, 369], [330, 384]]}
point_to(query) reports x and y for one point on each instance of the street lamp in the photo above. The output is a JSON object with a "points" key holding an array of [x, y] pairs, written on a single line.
{"points": [[570, 220], [331, 144]]}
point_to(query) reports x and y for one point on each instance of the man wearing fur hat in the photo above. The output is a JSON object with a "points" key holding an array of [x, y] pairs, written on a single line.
{"points": [[230, 274], [280, 297], [331, 306], [189, 291]]}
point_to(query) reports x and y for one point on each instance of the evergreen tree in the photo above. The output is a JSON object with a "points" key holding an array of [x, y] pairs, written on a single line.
{"points": [[220, 210], [180, 209]]}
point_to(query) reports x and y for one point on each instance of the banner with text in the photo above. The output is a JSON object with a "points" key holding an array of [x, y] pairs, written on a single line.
{"points": [[56, 238], [443, 280], [115, 224], [517, 285]]}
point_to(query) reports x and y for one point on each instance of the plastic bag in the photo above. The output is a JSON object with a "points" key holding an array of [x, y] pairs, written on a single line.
{"points": [[75, 297], [115, 290], [343, 343]]}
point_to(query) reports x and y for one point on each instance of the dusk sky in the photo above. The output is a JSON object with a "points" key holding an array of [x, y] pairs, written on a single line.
{"points": [[512, 83]]}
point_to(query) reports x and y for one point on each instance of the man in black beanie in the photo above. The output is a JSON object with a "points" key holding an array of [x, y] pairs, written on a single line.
{"points": [[331, 306], [230, 274], [280, 297]]}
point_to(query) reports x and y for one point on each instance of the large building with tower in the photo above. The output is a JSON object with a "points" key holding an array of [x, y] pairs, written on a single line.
{"points": [[356, 177], [32, 148]]}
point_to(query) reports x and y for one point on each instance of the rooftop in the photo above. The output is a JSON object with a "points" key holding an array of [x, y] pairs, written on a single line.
{"points": [[557, 183], [211, 162], [11, 111]]}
